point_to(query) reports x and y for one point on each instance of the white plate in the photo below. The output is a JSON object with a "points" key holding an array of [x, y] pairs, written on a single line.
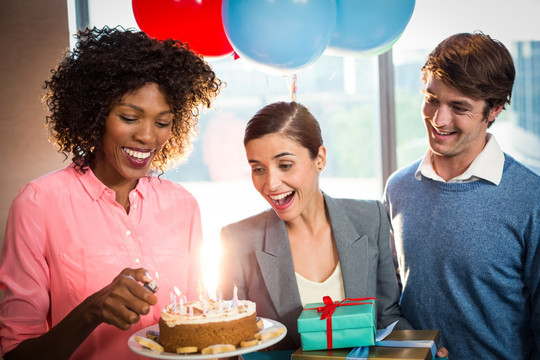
{"points": [[141, 350]]}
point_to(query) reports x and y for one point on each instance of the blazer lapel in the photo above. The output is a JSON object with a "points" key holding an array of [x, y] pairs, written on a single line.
{"points": [[275, 261], [352, 249]]}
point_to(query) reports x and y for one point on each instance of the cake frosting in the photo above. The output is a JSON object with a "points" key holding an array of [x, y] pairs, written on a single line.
{"points": [[228, 311], [207, 322]]}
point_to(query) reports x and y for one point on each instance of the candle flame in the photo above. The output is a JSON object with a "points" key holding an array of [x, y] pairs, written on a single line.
{"points": [[210, 263], [177, 291], [157, 276]]}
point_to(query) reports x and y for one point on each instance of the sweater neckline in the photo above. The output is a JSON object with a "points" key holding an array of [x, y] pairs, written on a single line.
{"points": [[465, 186], [457, 187]]}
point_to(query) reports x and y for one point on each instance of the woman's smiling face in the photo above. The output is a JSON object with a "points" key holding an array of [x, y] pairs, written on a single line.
{"points": [[284, 174], [136, 129]]}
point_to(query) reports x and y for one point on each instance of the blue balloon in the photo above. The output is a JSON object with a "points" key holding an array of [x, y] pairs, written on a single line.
{"points": [[369, 26], [279, 36]]}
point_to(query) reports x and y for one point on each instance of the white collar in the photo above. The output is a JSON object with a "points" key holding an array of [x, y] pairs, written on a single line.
{"points": [[488, 165]]}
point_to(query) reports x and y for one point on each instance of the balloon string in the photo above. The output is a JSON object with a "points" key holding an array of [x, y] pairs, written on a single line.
{"points": [[294, 87]]}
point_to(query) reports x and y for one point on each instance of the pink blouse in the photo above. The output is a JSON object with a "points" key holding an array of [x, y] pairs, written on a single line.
{"points": [[67, 237]]}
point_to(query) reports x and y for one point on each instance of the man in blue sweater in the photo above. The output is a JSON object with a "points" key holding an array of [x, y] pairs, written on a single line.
{"points": [[466, 217]]}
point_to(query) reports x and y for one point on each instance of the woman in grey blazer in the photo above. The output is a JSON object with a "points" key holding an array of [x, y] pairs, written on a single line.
{"points": [[308, 244]]}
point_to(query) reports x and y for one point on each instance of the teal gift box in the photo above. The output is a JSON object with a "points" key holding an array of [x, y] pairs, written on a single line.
{"points": [[340, 324]]}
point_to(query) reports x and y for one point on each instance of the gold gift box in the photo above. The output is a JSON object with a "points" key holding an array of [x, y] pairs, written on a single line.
{"points": [[381, 352]]}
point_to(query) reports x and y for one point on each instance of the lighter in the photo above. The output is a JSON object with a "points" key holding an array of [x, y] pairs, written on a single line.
{"points": [[152, 286]]}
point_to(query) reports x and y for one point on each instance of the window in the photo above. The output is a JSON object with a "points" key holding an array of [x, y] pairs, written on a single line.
{"points": [[342, 93], [517, 129]]}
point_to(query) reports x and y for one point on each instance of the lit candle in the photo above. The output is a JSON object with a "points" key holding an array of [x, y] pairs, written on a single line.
{"points": [[211, 292], [235, 295], [204, 307], [173, 300], [184, 300], [190, 310], [177, 295], [220, 302], [199, 291], [182, 310]]}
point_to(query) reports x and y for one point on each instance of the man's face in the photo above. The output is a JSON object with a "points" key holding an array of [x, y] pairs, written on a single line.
{"points": [[455, 122]]}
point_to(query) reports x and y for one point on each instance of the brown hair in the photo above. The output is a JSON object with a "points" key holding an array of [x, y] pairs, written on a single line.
{"points": [[290, 119], [476, 65]]}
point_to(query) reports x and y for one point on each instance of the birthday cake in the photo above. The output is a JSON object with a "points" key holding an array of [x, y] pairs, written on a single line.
{"points": [[197, 325]]}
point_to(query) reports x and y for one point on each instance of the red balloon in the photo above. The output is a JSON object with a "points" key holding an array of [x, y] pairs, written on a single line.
{"points": [[195, 22]]}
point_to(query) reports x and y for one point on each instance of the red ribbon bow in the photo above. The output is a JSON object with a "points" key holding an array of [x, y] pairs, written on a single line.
{"points": [[330, 307]]}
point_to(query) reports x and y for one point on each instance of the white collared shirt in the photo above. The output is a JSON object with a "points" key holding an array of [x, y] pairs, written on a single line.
{"points": [[488, 165]]}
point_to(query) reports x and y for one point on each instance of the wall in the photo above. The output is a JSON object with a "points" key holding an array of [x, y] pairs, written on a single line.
{"points": [[34, 37]]}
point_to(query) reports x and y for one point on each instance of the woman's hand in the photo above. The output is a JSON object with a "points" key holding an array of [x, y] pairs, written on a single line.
{"points": [[120, 304], [122, 301]]}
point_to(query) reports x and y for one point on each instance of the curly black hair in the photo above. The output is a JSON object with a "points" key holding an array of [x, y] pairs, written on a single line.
{"points": [[108, 63]]}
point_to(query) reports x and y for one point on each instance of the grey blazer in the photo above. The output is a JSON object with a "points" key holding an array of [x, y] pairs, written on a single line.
{"points": [[257, 258]]}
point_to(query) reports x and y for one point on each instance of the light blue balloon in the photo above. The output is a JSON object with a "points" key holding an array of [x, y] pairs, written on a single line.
{"points": [[279, 36], [367, 26]]}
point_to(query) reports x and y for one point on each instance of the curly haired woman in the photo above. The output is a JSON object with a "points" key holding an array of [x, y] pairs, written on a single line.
{"points": [[81, 242]]}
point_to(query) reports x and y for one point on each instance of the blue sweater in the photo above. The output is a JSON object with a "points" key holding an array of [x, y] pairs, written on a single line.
{"points": [[469, 260]]}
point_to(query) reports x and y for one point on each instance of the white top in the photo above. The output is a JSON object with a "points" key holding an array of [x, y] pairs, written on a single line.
{"points": [[313, 292], [488, 165]]}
